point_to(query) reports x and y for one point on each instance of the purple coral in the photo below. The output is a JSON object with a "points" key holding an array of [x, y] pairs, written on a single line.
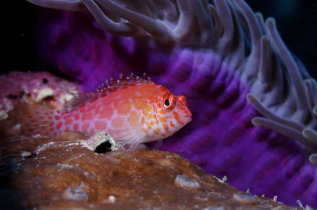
{"points": [[199, 50]]}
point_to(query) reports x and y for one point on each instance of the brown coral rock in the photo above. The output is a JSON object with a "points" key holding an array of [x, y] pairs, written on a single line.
{"points": [[65, 174]]}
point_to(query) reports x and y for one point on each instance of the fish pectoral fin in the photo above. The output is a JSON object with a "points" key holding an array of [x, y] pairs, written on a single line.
{"points": [[127, 137]]}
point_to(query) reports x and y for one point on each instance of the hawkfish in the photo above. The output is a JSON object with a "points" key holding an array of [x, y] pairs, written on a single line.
{"points": [[132, 110]]}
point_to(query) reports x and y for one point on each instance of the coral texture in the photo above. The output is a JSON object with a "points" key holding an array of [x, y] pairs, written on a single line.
{"points": [[36, 87], [228, 62], [64, 174]]}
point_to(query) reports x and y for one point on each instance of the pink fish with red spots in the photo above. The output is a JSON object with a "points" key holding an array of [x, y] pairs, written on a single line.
{"points": [[133, 110]]}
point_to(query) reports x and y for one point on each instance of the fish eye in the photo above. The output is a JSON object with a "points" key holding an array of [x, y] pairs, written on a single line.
{"points": [[167, 102]]}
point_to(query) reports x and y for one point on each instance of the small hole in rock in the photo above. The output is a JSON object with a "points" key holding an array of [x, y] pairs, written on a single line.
{"points": [[103, 148], [11, 96], [48, 99], [33, 155], [45, 80]]}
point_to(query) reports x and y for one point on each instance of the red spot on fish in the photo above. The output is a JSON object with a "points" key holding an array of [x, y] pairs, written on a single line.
{"points": [[87, 116], [106, 113], [145, 130], [97, 110], [85, 127], [165, 127], [162, 111], [76, 116], [67, 119], [76, 127], [57, 117], [59, 125], [176, 116], [187, 112], [117, 122], [100, 125], [92, 130]]}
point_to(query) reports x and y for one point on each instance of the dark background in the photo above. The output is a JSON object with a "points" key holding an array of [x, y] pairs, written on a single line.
{"points": [[297, 24], [296, 21]]}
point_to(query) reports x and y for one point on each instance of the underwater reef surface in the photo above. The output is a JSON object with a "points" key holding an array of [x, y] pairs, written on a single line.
{"points": [[30, 87], [37, 86], [61, 173], [215, 55]]}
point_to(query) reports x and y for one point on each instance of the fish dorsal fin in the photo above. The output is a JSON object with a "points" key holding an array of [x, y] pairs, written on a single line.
{"points": [[107, 87], [112, 85], [77, 101]]}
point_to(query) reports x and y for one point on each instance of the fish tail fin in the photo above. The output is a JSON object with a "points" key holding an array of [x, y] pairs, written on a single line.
{"points": [[38, 119]]}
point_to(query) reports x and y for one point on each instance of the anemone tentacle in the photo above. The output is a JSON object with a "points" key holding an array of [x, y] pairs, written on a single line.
{"points": [[291, 113], [108, 24], [71, 5]]}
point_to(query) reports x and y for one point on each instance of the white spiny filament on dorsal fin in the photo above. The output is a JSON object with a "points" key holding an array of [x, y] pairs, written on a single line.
{"points": [[107, 87]]}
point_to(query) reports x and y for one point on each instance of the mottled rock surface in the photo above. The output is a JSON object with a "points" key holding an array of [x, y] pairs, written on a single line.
{"points": [[51, 173], [31, 87], [38, 86]]}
